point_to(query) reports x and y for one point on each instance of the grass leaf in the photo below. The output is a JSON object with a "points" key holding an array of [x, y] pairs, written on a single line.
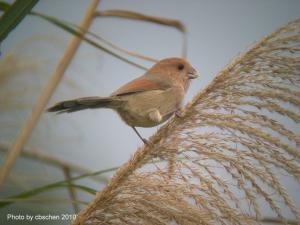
{"points": [[49, 187], [13, 15], [74, 29]]}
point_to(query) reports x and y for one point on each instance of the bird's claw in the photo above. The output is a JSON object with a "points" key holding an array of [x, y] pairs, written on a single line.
{"points": [[146, 142], [179, 114]]}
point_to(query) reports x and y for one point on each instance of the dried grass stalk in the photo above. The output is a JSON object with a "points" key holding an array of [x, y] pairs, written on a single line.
{"points": [[227, 152], [37, 110], [139, 16], [41, 156], [72, 191], [152, 19]]}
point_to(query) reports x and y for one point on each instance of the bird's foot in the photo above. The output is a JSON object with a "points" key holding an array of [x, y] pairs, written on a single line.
{"points": [[179, 114], [146, 142]]}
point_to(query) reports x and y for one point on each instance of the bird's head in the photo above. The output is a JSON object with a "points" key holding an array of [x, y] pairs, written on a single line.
{"points": [[176, 70]]}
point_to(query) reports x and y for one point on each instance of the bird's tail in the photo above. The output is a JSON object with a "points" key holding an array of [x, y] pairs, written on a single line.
{"points": [[85, 103]]}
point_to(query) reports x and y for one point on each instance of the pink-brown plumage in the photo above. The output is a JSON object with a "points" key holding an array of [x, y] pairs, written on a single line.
{"points": [[146, 101]]}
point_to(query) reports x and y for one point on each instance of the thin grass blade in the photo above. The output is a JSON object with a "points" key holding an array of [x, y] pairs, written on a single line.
{"points": [[14, 15]]}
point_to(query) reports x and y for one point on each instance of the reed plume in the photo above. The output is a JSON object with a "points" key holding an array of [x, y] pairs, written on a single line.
{"points": [[225, 155]]}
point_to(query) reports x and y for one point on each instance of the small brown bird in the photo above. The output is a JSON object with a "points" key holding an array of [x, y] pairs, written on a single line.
{"points": [[146, 101]]}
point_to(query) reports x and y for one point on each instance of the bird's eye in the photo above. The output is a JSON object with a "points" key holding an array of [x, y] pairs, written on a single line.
{"points": [[180, 67]]}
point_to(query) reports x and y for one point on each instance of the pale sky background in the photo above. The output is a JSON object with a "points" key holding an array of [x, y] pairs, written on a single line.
{"points": [[98, 139]]}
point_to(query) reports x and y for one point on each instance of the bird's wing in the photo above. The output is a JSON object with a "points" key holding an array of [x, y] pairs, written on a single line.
{"points": [[143, 83]]}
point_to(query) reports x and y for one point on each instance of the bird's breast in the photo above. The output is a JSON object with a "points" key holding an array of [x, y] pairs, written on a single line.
{"points": [[138, 106]]}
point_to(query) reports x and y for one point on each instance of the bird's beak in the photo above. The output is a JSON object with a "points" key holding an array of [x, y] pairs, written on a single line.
{"points": [[192, 74]]}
